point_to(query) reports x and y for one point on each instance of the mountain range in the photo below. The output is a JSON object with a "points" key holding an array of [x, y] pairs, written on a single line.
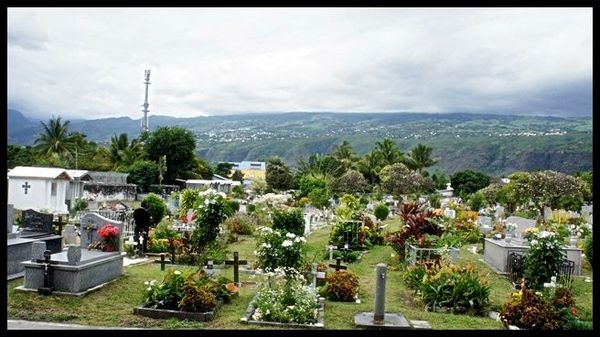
{"points": [[494, 144]]}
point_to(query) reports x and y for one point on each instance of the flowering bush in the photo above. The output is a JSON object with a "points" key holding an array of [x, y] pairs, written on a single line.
{"points": [[530, 233], [289, 220], [543, 259], [210, 215], [187, 291], [110, 235], [276, 249], [286, 299]]}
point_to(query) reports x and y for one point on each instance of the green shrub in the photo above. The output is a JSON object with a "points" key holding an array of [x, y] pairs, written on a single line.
{"points": [[230, 206], [156, 206], [381, 212], [210, 215], [527, 310], [341, 285], [196, 299], [458, 288], [164, 230], [290, 221], [413, 276], [79, 204], [188, 199], [588, 249], [241, 224], [250, 208]]}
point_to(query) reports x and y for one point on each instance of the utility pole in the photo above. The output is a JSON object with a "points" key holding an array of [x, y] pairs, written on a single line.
{"points": [[145, 105]]}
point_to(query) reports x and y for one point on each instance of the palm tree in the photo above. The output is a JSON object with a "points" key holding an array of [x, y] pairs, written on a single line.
{"points": [[369, 166], [345, 155], [121, 153], [319, 164], [419, 158], [55, 139], [388, 152]]}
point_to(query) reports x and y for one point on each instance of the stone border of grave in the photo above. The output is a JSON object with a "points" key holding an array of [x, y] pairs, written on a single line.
{"points": [[317, 326], [165, 314], [63, 293]]}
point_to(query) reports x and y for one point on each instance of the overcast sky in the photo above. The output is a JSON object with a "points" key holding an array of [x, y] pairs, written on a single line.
{"points": [[89, 63]]}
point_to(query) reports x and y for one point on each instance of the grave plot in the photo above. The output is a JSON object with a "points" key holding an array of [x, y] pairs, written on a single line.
{"points": [[203, 295], [79, 269], [285, 300]]}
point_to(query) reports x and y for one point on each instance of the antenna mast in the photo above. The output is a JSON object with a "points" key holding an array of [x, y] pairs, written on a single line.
{"points": [[145, 105]]}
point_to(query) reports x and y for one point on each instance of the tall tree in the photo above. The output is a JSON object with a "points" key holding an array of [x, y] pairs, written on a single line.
{"points": [[467, 182], [345, 155], [278, 175], [419, 158], [178, 145], [388, 152], [55, 138], [223, 169]]}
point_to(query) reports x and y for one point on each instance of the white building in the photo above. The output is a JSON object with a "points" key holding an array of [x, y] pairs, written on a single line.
{"points": [[218, 184], [38, 188], [75, 189]]}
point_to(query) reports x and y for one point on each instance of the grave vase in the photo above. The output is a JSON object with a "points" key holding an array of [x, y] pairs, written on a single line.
{"points": [[573, 241], [74, 253]]}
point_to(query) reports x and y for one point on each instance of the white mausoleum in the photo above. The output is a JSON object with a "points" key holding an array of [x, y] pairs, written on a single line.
{"points": [[38, 188]]}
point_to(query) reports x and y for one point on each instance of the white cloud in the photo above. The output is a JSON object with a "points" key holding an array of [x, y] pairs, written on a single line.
{"points": [[89, 63]]}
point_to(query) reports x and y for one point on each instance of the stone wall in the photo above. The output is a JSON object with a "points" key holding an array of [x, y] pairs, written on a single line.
{"points": [[94, 192]]}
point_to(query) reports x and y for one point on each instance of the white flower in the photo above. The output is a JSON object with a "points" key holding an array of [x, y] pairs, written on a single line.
{"points": [[177, 272], [358, 300], [290, 235], [161, 286], [266, 245], [146, 283], [553, 279], [534, 242], [152, 282], [149, 289], [287, 243]]}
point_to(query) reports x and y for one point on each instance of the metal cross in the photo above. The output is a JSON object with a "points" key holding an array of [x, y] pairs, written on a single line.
{"points": [[26, 186]]}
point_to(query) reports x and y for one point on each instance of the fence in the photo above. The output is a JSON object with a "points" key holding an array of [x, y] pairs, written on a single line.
{"points": [[415, 254], [516, 268]]}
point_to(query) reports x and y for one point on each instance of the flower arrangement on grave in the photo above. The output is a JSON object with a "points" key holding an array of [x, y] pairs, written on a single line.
{"points": [[188, 291], [285, 298], [110, 236], [530, 233], [279, 249], [510, 227], [543, 258]]}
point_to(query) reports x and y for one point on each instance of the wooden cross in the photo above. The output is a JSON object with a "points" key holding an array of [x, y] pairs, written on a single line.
{"points": [[236, 263], [26, 186], [338, 265]]}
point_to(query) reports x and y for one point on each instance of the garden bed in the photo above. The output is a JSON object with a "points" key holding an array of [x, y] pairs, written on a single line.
{"points": [[165, 314], [319, 325]]}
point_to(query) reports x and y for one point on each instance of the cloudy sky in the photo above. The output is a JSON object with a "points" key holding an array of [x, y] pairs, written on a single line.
{"points": [[89, 62]]}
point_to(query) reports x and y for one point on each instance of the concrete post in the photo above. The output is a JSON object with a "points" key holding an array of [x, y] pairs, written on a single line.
{"points": [[380, 272]]}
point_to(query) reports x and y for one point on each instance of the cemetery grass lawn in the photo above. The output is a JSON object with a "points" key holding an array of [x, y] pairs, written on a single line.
{"points": [[113, 305]]}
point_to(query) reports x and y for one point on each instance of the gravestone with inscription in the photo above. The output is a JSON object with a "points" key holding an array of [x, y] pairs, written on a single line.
{"points": [[522, 223], [19, 246]]}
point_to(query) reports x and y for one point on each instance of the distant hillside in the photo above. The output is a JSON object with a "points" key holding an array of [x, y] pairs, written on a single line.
{"points": [[495, 144]]}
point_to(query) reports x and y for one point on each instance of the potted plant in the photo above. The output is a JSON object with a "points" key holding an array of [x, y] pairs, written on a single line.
{"points": [[110, 236]]}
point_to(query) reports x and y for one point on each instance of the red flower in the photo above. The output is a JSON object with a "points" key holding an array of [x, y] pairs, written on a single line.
{"points": [[574, 311]]}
